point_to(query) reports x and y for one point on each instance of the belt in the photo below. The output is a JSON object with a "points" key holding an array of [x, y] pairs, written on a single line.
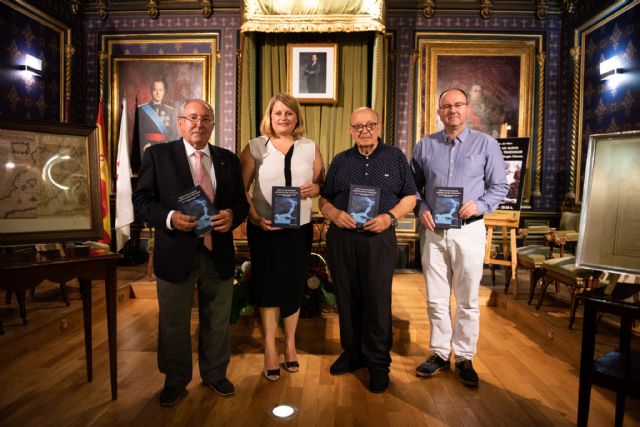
{"points": [[472, 219], [358, 230]]}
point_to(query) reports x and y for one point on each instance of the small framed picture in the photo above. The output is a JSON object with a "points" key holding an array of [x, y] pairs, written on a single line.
{"points": [[312, 72]]}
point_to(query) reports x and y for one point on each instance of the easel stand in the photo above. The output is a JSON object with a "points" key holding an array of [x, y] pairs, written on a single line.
{"points": [[508, 221]]}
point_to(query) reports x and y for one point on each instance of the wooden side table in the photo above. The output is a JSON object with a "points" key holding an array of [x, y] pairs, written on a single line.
{"points": [[619, 370], [19, 272]]}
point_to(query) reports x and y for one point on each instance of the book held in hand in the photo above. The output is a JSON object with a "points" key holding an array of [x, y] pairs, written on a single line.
{"points": [[448, 203], [363, 203], [285, 204], [196, 204]]}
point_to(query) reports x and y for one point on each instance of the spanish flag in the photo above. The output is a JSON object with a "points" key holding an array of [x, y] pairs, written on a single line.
{"points": [[105, 182]]}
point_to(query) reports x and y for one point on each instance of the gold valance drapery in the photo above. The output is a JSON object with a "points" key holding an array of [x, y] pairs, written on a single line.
{"points": [[321, 16]]}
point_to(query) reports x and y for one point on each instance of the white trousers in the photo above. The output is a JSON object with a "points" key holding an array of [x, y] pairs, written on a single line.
{"points": [[452, 260]]}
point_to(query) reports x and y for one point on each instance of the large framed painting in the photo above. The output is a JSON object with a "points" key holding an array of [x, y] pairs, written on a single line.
{"points": [[157, 72], [49, 183], [312, 72], [609, 223], [498, 75], [155, 86]]}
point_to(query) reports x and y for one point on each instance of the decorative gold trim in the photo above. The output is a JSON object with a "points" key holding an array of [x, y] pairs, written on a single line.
{"points": [[68, 56], [540, 58], [102, 58], [102, 10], [378, 77], [207, 9], [429, 9], [75, 6], [239, 58], [390, 91], [541, 9], [485, 9], [317, 24], [292, 17], [152, 9], [569, 6], [575, 107]]}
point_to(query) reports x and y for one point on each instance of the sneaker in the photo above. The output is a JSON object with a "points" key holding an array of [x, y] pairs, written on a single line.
{"points": [[169, 396], [344, 364], [378, 380], [467, 374], [432, 366], [223, 387]]}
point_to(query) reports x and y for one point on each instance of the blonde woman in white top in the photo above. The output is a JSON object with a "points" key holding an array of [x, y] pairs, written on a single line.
{"points": [[282, 156]]}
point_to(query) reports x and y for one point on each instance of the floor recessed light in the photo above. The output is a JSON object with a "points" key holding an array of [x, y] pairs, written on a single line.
{"points": [[283, 411]]}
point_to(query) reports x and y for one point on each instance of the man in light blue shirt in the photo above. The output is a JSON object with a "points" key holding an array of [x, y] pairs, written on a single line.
{"points": [[456, 157]]}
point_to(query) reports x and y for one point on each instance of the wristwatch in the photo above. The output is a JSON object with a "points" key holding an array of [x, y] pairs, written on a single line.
{"points": [[394, 220]]}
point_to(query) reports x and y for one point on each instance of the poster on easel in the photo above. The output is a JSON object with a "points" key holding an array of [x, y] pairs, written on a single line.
{"points": [[514, 152]]}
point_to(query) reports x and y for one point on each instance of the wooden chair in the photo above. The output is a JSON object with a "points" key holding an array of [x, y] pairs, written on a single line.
{"points": [[562, 270], [531, 257], [22, 304]]}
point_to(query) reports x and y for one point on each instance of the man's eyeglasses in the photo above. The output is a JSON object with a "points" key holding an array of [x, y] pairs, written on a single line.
{"points": [[457, 105], [196, 119], [371, 126]]}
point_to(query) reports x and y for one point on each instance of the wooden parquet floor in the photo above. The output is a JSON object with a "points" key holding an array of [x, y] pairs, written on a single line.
{"points": [[529, 375]]}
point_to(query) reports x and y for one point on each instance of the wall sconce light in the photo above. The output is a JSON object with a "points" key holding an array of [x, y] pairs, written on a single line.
{"points": [[611, 70], [32, 65]]}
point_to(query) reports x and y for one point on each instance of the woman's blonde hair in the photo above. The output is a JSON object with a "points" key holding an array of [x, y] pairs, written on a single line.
{"points": [[290, 102]]}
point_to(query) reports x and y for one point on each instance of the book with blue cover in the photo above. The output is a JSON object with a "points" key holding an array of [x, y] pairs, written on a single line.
{"points": [[363, 203], [448, 203], [285, 204], [196, 204]]}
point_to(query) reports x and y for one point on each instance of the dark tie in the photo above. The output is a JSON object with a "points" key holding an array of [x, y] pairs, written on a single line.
{"points": [[204, 181]]}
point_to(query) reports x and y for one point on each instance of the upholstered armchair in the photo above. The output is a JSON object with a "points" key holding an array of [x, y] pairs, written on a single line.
{"points": [[562, 269], [532, 256]]}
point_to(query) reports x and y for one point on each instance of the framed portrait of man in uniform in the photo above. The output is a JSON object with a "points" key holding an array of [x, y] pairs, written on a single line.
{"points": [[155, 86]]}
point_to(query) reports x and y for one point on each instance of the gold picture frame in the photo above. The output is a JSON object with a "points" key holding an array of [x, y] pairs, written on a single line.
{"points": [[183, 76], [312, 72], [50, 182], [502, 66], [156, 46]]}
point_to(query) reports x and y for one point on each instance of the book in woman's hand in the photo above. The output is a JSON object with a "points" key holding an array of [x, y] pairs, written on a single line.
{"points": [[285, 203]]}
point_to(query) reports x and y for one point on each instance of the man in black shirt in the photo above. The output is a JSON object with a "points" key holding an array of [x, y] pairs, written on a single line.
{"points": [[362, 259]]}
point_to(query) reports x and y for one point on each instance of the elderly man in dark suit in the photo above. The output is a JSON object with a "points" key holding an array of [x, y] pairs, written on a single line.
{"points": [[184, 260]]}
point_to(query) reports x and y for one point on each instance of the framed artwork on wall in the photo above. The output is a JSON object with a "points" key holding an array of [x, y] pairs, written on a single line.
{"points": [[312, 72], [609, 225], [49, 183], [155, 87], [185, 63], [498, 75]]}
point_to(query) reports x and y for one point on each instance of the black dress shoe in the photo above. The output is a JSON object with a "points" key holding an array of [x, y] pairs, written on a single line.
{"points": [[378, 380], [345, 364], [169, 396], [467, 374], [223, 387]]}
